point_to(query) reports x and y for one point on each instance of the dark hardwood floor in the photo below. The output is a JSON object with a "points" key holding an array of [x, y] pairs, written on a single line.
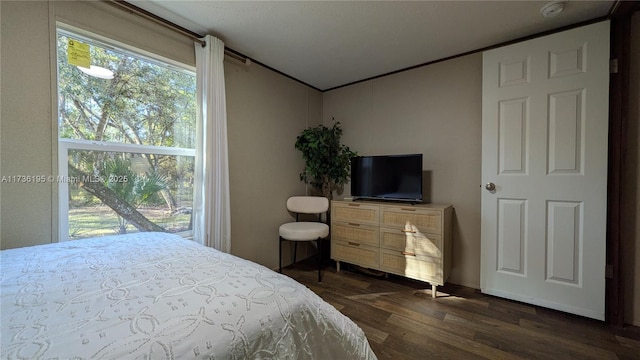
{"points": [[402, 321]]}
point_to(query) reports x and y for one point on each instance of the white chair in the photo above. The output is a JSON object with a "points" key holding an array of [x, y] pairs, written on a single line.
{"points": [[305, 230]]}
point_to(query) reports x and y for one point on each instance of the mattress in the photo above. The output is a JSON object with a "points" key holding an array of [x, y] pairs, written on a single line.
{"points": [[159, 296]]}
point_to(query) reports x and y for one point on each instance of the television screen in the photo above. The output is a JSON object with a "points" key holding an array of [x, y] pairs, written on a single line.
{"points": [[388, 177]]}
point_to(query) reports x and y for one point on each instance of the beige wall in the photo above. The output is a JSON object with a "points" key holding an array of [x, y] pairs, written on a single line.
{"points": [[631, 184], [266, 111], [26, 123], [435, 110]]}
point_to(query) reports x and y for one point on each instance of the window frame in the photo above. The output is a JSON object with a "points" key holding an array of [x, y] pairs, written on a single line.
{"points": [[64, 145]]}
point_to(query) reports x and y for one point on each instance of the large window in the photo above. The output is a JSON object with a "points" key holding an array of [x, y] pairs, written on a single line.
{"points": [[126, 136]]}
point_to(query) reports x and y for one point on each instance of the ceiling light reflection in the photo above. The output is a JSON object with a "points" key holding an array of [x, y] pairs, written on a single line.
{"points": [[97, 71]]}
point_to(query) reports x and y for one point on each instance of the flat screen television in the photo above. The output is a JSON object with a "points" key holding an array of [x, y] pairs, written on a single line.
{"points": [[387, 177]]}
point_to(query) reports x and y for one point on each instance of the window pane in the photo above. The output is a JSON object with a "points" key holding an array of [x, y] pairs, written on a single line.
{"points": [[146, 102], [108, 126], [159, 187]]}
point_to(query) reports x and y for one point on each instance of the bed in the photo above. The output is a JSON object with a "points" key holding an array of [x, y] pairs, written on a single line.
{"points": [[159, 296]]}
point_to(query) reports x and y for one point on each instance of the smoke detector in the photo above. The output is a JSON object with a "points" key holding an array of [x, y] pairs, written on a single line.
{"points": [[552, 9]]}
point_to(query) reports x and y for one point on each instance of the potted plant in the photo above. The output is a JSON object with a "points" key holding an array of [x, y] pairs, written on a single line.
{"points": [[327, 161]]}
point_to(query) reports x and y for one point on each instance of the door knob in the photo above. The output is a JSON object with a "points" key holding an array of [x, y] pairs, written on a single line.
{"points": [[490, 186]]}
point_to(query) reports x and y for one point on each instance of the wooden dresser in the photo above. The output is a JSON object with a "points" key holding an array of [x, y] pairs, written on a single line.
{"points": [[403, 239]]}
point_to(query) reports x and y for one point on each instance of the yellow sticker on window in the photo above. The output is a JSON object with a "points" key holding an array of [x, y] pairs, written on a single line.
{"points": [[78, 54]]}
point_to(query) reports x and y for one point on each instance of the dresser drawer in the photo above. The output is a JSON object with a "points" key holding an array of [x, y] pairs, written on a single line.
{"points": [[412, 242], [428, 221], [356, 233], [408, 240], [353, 253], [355, 213], [418, 267]]}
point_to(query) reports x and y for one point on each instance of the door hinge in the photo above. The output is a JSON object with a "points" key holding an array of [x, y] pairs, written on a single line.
{"points": [[613, 66], [608, 271]]}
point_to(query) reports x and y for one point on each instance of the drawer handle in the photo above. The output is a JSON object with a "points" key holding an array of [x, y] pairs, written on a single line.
{"points": [[356, 205], [408, 231], [408, 253], [407, 209], [354, 224], [353, 243]]}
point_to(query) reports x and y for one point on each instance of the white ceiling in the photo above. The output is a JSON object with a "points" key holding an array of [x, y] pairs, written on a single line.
{"points": [[327, 44]]}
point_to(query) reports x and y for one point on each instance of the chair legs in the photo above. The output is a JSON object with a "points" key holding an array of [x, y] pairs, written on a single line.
{"points": [[319, 260], [295, 251], [280, 256]]}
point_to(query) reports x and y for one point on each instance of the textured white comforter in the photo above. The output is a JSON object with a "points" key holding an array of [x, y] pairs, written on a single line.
{"points": [[158, 296]]}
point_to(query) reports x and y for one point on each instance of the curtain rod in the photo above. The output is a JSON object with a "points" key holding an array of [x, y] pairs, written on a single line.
{"points": [[158, 20], [132, 9]]}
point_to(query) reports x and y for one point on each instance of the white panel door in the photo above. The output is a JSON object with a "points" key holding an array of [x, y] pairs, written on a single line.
{"points": [[544, 148]]}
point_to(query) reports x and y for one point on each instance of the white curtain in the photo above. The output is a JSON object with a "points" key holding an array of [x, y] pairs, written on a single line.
{"points": [[212, 220]]}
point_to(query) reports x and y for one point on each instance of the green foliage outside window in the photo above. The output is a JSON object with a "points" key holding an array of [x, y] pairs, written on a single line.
{"points": [[147, 103]]}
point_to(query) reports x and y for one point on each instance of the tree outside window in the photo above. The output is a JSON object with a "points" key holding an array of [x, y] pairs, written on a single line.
{"points": [[126, 144]]}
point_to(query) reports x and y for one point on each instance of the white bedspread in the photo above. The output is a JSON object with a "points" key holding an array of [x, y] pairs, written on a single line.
{"points": [[158, 296]]}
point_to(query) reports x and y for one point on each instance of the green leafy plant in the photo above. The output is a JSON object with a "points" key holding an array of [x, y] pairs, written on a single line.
{"points": [[327, 161], [134, 188]]}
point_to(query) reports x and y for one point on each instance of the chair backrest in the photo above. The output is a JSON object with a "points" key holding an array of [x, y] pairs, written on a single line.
{"points": [[308, 204]]}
